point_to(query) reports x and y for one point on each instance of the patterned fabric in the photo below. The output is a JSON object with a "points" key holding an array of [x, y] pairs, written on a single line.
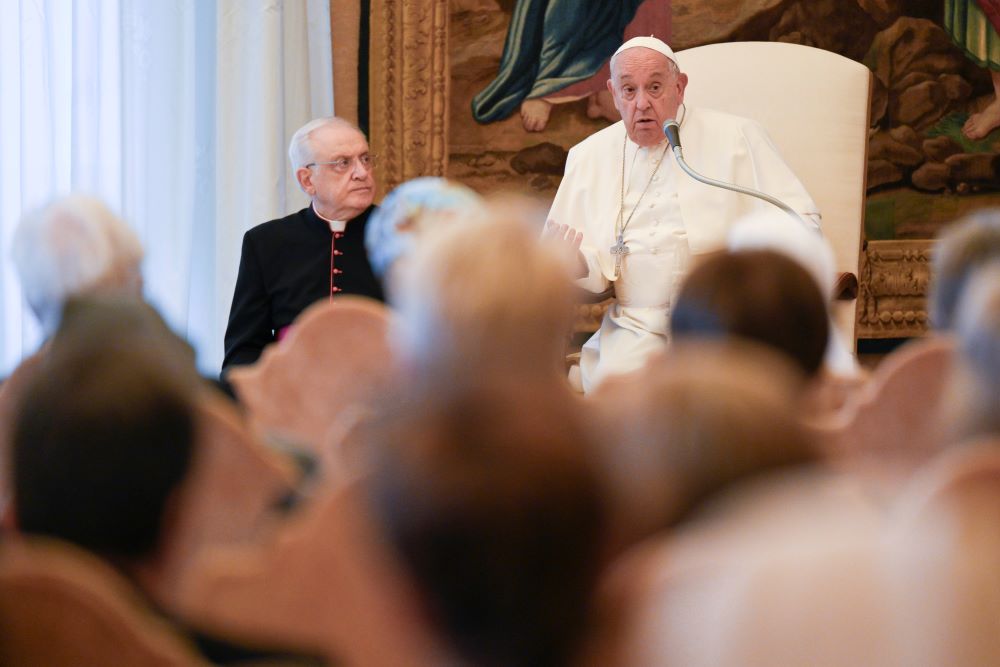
{"points": [[992, 10], [550, 45], [973, 27]]}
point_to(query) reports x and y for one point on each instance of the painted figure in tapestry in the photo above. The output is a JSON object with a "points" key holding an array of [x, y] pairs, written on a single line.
{"points": [[557, 51]]}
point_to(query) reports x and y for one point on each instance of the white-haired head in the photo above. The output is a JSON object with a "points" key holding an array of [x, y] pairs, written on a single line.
{"points": [[300, 149], [408, 212], [72, 246], [774, 230]]}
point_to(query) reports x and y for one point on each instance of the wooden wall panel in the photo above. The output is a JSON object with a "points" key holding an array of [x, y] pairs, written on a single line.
{"points": [[345, 19]]}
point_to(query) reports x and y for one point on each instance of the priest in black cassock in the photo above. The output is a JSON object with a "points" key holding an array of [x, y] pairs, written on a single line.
{"points": [[318, 253]]}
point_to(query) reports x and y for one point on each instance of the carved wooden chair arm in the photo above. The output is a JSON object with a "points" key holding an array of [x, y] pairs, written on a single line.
{"points": [[846, 287]]}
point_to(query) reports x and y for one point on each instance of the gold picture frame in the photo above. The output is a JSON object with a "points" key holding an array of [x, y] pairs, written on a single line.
{"points": [[408, 89]]}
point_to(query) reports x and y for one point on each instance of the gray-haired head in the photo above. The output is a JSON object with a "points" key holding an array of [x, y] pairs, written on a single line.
{"points": [[300, 149], [72, 246], [964, 247], [408, 212], [977, 327]]}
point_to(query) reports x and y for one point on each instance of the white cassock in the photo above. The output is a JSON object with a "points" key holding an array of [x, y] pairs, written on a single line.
{"points": [[674, 218]]}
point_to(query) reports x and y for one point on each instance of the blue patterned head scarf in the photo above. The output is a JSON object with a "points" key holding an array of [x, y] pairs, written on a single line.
{"points": [[408, 211]]}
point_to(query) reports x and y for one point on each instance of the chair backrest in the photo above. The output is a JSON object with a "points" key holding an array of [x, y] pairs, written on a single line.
{"points": [[897, 416], [230, 495], [956, 477], [334, 359], [328, 584], [944, 546], [815, 105], [62, 606], [10, 394]]}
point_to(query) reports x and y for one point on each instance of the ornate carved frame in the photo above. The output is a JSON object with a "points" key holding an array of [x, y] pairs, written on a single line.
{"points": [[893, 297], [408, 89]]}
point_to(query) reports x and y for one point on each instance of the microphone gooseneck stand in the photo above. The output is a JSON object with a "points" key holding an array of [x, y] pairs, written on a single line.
{"points": [[672, 130]]}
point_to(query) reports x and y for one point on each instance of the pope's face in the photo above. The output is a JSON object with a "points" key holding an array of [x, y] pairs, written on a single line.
{"points": [[647, 91], [338, 195]]}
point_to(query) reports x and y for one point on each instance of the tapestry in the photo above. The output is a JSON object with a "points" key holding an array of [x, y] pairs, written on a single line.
{"points": [[527, 76]]}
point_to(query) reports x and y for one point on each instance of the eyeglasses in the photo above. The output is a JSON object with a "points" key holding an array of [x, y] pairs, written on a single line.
{"points": [[343, 165]]}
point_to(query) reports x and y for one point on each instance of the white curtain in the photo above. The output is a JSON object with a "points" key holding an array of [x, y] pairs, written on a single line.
{"points": [[175, 112]]}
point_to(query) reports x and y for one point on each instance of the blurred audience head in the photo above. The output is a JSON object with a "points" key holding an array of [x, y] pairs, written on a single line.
{"points": [[758, 295], [496, 512], [74, 245], [977, 327], [694, 423], [405, 215], [485, 296], [103, 434], [962, 248]]}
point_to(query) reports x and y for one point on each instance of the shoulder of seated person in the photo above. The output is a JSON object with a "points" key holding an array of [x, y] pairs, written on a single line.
{"points": [[276, 226]]}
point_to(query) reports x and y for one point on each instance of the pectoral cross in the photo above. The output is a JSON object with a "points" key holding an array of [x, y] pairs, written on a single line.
{"points": [[619, 250]]}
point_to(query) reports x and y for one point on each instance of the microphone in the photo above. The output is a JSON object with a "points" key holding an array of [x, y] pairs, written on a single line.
{"points": [[673, 132], [671, 128]]}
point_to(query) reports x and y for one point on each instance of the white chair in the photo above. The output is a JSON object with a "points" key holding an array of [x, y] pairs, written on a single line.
{"points": [[815, 105]]}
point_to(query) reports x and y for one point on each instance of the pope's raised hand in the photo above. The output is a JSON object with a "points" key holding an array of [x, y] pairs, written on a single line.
{"points": [[569, 238]]}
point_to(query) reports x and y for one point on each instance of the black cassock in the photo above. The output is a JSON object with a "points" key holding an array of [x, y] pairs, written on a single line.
{"points": [[285, 266]]}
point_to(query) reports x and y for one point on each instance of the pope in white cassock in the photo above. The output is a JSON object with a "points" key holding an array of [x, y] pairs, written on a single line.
{"points": [[637, 219]]}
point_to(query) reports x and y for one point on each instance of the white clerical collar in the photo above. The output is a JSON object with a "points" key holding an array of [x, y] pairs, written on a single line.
{"points": [[655, 150], [335, 225], [649, 154]]}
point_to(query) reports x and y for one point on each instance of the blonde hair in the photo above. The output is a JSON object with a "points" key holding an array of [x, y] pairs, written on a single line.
{"points": [[485, 293]]}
